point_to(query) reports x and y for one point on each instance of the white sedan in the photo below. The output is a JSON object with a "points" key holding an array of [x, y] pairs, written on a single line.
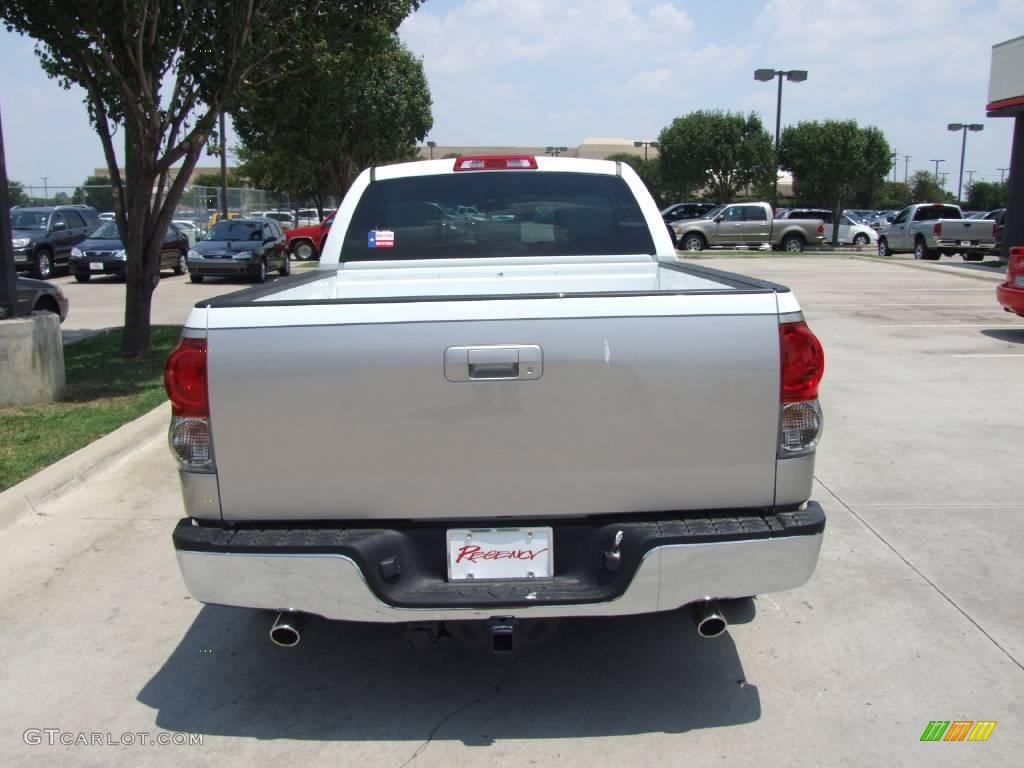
{"points": [[850, 230]]}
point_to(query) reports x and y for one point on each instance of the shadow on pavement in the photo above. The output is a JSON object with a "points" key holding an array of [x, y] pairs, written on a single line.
{"points": [[358, 682], [1012, 335]]}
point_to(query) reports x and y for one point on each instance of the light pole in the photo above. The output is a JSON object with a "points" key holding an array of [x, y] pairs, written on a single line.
{"points": [[906, 168], [892, 164], [1002, 174], [766, 76], [555, 151], [431, 144], [46, 191], [970, 177], [936, 166], [942, 180], [8, 274], [645, 145], [965, 127]]}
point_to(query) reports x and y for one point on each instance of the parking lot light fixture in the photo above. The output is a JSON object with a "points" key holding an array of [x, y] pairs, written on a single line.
{"points": [[933, 160], [645, 145], [766, 76], [555, 151], [964, 128], [431, 145]]}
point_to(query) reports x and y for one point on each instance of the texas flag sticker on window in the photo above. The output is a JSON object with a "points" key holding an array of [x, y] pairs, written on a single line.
{"points": [[381, 238]]}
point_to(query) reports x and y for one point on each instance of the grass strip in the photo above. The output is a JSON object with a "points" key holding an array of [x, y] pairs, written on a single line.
{"points": [[103, 391]]}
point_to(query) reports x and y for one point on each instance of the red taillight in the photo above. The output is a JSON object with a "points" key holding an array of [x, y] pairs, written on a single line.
{"points": [[821, 229], [1016, 265], [803, 362], [496, 163], [937, 229], [185, 378]]}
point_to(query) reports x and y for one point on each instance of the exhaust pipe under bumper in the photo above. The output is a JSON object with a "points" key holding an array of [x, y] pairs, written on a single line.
{"points": [[708, 618], [286, 631]]}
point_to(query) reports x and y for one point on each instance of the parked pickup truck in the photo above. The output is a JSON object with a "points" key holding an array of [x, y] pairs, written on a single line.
{"points": [[748, 224], [932, 229], [305, 243], [538, 413]]}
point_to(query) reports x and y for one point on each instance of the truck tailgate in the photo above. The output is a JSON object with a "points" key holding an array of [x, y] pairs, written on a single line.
{"points": [[967, 229], [355, 420]]}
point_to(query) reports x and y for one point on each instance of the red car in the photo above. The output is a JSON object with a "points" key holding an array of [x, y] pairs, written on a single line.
{"points": [[1011, 293], [306, 243]]}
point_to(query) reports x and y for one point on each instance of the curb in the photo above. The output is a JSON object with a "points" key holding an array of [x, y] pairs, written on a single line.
{"points": [[946, 269], [25, 498]]}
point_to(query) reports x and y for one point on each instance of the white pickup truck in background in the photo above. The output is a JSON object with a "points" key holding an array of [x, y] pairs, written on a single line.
{"points": [[932, 229], [532, 412]]}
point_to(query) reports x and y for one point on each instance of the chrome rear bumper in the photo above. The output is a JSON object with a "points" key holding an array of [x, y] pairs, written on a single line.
{"points": [[333, 586]]}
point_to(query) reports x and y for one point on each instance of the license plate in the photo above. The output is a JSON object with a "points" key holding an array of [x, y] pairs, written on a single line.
{"points": [[1018, 281], [96, 266], [500, 553], [965, 242]]}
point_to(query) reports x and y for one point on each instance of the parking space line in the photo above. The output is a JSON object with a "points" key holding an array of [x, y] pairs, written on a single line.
{"points": [[981, 354], [996, 326]]}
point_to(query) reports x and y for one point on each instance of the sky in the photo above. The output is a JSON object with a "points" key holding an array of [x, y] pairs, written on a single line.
{"points": [[543, 72]]}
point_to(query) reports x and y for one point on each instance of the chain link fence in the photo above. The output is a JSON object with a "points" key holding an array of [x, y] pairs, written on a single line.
{"points": [[200, 205]]}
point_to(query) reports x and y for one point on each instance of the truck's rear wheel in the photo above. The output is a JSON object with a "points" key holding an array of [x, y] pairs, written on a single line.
{"points": [[196, 278], [793, 244], [922, 251], [883, 248], [694, 242]]}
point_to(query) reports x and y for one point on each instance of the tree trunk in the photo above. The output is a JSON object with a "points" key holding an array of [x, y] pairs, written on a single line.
{"points": [[837, 212], [142, 246]]}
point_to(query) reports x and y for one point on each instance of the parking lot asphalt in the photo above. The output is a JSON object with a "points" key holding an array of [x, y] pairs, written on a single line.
{"points": [[915, 613], [99, 304]]}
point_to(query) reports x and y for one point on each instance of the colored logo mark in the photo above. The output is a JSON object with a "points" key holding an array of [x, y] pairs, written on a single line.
{"points": [[958, 730]]}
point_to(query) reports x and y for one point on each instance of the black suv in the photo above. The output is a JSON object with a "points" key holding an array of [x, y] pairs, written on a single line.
{"points": [[43, 236], [683, 211]]}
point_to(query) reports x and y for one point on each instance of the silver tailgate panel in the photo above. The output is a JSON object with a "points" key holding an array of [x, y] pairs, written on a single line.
{"points": [[630, 415]]}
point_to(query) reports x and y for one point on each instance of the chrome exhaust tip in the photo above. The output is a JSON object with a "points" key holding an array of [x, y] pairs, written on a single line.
{"points": [[286, 630], [708, 618]]}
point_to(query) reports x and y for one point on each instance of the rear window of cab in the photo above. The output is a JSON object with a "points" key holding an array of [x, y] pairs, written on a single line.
{"points": [[495, 214]]}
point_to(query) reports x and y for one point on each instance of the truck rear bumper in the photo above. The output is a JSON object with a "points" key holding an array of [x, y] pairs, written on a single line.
{"points": [[350, 574]]}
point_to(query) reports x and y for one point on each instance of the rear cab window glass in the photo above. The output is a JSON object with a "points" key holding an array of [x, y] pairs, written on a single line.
{"points": [[935, 212], [517, 213], [754, 213]]}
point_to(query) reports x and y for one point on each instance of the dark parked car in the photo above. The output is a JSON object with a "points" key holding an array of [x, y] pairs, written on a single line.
{"points": [[44, 236], [240, 247], [103, 253], [683, 211], [40, 296]]}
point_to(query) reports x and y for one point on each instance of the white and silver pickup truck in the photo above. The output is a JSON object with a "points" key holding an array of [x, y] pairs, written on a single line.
{"points": [[534, 412], [932, 229]]}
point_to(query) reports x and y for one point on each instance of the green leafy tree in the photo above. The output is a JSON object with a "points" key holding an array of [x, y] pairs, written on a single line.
{"points": [[235, 179], [892, 195], [986, 195], [357, 109], [723, 152], [833, 161], [95, 191], [925, 188], [61, 198], [16, 193], [163, 72]]}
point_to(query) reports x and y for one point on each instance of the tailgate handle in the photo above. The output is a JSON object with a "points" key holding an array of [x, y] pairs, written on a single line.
{"points": [[505, 362]]}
